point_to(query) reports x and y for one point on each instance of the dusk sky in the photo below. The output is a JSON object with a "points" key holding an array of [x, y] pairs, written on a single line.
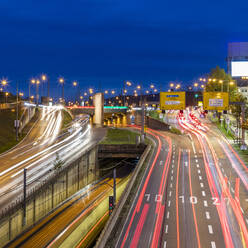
{"points": [[109, 41]]}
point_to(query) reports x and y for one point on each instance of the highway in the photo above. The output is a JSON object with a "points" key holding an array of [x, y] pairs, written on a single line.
{"points": [[37, 152], [194, 192]]}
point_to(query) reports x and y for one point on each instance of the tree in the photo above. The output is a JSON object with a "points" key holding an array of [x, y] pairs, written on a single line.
{"points": [[215, 76]]}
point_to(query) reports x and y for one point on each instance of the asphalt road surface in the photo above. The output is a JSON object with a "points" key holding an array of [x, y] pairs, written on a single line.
{"points": [[194, 192], [39, 149]]}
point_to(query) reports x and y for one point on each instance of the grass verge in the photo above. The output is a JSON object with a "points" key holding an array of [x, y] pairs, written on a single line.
{"points": [[66, 119], [7, 130], [119, 136]]}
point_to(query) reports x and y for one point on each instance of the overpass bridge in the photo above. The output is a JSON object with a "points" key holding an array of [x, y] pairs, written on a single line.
{"points": [[112, 114]]}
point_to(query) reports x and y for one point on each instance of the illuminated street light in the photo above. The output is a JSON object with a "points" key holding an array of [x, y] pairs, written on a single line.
{"points": [[155, 90], [43, 77], [151, 86], [128, 83], [171, 85], [147, 92], [106, 92], [4, 82], [85, 93], [138, 87], [62, 82], [195, 84], [112, 92], [6, 96]]}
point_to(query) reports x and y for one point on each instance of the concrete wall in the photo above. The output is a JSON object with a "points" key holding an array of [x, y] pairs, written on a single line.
{"points": [[156, 124], [41, 201]]}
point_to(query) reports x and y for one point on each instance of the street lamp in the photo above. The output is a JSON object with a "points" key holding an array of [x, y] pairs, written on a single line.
{"points": [[6, 96], [32, 81], [37, 92], [62, 82], [45, 78]]}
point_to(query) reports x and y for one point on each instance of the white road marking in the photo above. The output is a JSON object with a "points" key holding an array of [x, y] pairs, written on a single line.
{"points": [[200, 177], [164, 244], [173, 161], [170, 194], [203, 193], [195, 156], [232, 189], [196, 160], [161, 162], [213, 244], [210, 229], [171, 185], [169, 202], [171, 178], [207, 215], [197, 165], [242, 210], [173, 166], [168, 215], [246, 221], [222, 170], [202, 185], [199, 171], [172, 171], [186, 163], [205, 203], [166, 229]]}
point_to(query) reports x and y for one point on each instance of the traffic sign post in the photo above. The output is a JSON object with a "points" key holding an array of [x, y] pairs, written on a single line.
{"points": [[172, 100]]}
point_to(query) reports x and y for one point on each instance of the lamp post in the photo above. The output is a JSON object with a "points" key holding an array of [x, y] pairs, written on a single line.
{"points": [[75, 84], [37, 92], [32, 81], [62, 82]]}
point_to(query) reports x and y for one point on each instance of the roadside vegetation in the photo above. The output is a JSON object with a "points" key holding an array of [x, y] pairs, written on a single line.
{"points": [[7, 130], [66, 119], [119, 136]]}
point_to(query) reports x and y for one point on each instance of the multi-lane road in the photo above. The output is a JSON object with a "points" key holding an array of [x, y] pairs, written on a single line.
{"points": [[194, 192], [37, 152]]}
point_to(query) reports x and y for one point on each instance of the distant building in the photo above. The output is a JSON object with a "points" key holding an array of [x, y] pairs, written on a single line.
{"points": [[237, 65]]}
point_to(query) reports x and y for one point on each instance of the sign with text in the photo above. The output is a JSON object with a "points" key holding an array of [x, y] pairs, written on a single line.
{"points": [[172, 100], [215, 101]]}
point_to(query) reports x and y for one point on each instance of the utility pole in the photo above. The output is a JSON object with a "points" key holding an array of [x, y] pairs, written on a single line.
{"points": [[24, 195], [17, 114], [114, 186]]}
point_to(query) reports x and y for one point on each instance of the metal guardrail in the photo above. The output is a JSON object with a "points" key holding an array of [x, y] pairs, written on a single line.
{"points": [[101, 243]]}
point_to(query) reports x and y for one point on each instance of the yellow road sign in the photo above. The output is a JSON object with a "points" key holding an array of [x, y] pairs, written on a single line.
{"points": [[215, 101], [172, 100]]}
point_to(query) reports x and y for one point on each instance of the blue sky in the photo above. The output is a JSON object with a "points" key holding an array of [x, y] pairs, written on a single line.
{"points": [[108, 41]]}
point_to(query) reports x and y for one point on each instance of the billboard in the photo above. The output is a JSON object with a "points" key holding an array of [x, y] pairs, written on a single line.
{"points": [[239, 68], [215, 101], [172, 100]]}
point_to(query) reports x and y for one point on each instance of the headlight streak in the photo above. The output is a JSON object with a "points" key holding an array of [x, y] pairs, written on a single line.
{"points": [[73, 143], [227, 217], [39, 153]]}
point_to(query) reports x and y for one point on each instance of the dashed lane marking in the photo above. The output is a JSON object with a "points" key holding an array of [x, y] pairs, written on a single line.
{"points": [[171, 178], [169, 202], [197, 166], [210, 229], [203, 193], [213, 244], [199, 171], [165, 243], [168, 215], [207, 215], [170, 194], [202, 185], [196, 160], [161, 162], [200, 177], [166, 229], [171, 185], [205, 203]]}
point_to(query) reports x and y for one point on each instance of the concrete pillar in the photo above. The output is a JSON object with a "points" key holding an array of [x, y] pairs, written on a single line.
{"points": [[98, 101]]}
